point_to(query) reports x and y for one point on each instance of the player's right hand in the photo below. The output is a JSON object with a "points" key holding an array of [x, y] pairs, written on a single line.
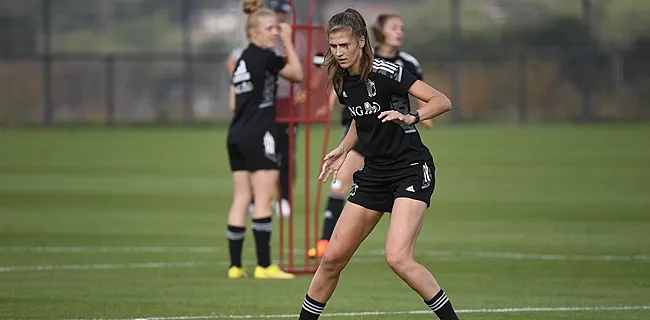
{"points": [[285, 31], [332, 163]]}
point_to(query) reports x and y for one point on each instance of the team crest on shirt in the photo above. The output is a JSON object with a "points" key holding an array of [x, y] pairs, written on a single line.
{"points": [[372, 89]]}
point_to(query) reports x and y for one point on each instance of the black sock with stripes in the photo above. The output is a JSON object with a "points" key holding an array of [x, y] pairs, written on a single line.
{"points": [[235, 244], [311, 309], [441, 306], [262, 231], [332, 213]]}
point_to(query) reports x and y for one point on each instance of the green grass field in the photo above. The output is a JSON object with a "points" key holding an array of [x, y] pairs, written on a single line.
{"points": [[526, 223]]}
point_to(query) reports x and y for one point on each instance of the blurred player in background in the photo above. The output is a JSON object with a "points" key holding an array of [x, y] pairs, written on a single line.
{"points": [[389, 33], [252, 149], [282, 9], [398, 175]]}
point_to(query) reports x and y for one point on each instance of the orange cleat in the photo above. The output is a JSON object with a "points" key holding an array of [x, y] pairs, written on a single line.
{"points": [[319, 250]]}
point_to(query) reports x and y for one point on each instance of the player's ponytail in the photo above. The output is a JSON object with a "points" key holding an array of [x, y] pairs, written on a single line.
{"points": [[254, 9], [352, 21]]}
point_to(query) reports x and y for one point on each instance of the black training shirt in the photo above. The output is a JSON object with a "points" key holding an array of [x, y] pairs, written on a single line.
{"points": [[383, 144], [255, 81], [403, 59]]}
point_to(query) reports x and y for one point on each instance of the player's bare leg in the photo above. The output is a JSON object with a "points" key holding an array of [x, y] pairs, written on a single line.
{"points": [[336, 201], [264, 184], [356, 223], [406, 223], [237, 222]]}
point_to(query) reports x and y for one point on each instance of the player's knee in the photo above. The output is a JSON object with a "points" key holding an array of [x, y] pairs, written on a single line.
{"points": [[263, 202], [399, 262], [332, 263], [243, 198]]}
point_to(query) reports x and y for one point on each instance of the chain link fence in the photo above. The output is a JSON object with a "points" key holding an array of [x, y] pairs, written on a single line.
{"points": [[163, 61]]}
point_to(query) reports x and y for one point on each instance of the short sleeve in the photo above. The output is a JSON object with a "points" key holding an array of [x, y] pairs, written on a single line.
{"points": [[274, 63], [412, 64], [418, 72], [404, 80], [341, 100]]}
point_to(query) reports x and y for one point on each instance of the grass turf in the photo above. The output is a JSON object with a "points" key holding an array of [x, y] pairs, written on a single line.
{"points": [[130, 223]]}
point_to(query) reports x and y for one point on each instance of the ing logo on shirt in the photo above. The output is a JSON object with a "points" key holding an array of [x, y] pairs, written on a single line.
{"points": [[364, 110]]}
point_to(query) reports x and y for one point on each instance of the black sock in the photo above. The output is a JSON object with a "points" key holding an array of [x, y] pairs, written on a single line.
{"points": [[262, 230], [311, 309], [441, 306], [284, 176], [332, 214], [235, 244]]}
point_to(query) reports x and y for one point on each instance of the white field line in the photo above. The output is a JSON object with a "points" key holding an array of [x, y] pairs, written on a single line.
{"points": [[107, 266], [436, 253], [384, 313], [141, 265], [77, 249]]}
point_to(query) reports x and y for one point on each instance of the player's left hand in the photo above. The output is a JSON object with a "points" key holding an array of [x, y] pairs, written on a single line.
{"points": [[397, 117], [332, 163]]}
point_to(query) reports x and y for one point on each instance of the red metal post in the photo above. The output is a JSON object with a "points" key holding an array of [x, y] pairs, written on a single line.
{"points": [[305, 118]]}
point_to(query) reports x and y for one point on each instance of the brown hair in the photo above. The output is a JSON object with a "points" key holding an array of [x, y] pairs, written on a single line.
{"points": [[378, 27], [350, 20], [254, 9]]}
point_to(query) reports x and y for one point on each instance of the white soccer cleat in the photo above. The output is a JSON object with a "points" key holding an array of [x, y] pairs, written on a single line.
{"points": [[286, 208], [251, 209]]}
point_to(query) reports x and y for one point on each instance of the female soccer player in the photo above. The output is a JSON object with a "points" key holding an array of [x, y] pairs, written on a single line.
{"points": [[252, 152], [389, 32], [282, 9], [398, 175]]}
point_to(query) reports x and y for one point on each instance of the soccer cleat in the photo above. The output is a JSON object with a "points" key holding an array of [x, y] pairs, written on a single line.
{"points": [[271, 272], [236, 273], [319, 250]]}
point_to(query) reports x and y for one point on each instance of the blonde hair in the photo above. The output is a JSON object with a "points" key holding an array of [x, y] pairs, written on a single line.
{"points": [[255, 10]]}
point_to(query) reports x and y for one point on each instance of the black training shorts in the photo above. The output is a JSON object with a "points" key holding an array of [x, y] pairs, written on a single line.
{"points": [[257, 153], [377, 189]]}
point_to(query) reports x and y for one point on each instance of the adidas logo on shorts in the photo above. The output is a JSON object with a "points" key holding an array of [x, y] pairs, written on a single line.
{"points": [[410, 189]]}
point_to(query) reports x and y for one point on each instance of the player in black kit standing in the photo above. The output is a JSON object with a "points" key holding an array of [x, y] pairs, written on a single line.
{"points": [[389, 32], [398, 175], [252, 136]]}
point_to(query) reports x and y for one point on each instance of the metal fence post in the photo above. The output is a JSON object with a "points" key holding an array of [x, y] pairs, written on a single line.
{"points": [[188, 69], [586, 94], [522, 103], [46, 16], [455, 59], [109, 69]]}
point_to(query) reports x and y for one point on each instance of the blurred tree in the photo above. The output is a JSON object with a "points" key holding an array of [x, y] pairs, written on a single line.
{"points": [[621, 22]]}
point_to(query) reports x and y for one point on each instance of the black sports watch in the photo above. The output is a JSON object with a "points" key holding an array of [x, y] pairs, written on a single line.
{"points": [[416, 115]]}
